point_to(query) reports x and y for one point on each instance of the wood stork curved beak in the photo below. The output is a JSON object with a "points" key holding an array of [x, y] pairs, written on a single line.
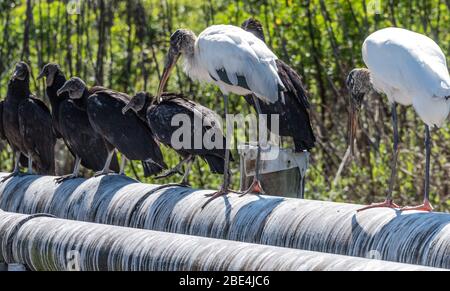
{"points": [[358, 84], [171, 59], [355, 107]]}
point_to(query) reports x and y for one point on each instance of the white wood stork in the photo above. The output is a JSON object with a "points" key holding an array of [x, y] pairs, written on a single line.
{"points": [[237, 62], [410, 69]]}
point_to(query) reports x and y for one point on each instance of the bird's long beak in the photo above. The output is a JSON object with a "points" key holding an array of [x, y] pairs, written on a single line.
{"points": [[172, 58], [355, 107], [14, 76], [18, 75], [41, 75], [63, 89]]}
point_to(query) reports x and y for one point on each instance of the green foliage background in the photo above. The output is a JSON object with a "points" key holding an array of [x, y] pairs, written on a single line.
{"points": [[121, 44]]}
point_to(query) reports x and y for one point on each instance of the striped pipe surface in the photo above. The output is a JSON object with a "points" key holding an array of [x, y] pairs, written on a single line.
{"points": [[43, 243], [413, 237]]}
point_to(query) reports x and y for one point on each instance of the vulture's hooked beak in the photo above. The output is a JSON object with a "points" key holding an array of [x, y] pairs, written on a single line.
{"points": [[127, 107], [48, 77], [41, 75], [355, 107], [136, 103], [65, 88], [19, 74], [172, 58]]}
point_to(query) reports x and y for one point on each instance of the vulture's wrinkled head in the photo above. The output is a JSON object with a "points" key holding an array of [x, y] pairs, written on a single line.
{"points": [[74, 86], [21, 72], [49, 71]]}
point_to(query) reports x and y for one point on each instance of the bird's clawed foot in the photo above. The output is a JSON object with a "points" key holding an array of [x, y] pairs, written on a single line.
{"points": [[223, 191], [215, 195], [387, 204], [12, 175], [169, 173], [426, 206], [255, 188], [103, 173], [64, 178], [185, 183]]}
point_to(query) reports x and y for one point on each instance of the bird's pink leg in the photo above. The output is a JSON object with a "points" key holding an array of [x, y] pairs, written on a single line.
{"points": [[387, 203], [215, 195], [224, 189], [426, 206], [255, 187]]}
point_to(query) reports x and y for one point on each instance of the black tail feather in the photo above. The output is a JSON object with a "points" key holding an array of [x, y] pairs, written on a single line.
{"points": [[306, 140], [151, 168], [216, 164], [303, 134], [45, 169]]}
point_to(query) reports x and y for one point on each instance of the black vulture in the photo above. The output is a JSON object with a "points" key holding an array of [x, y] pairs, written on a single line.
{"points": [[72, 124], [23, 158], [159, 117], [293, 112], [27, 124], [2, 131], [126, 133]]}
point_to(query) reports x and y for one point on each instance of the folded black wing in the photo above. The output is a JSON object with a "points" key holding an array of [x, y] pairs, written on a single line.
{"points": [[36, 129], [82, 139], [2, 131], [127, 132]]}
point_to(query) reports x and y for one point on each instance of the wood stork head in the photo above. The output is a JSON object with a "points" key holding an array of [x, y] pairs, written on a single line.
{"points": [[358, 83], [49, 71], [137, 103], [75, 86], [252, 25], [21, 72], [182, 41]]}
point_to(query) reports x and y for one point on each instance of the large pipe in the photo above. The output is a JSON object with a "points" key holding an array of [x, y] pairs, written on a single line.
{"points": [[414, 238], [43, 243]]}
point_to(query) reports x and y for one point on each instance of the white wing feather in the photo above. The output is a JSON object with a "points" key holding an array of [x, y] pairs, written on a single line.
{"points": [[239, 53], [409, 68]]}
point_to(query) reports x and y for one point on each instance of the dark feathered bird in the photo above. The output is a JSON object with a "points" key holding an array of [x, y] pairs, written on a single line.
{"points": [[72, 124], [27, 124], [293, 113], [2, 131], [159, 118], [23, 159], [126, 133]]}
